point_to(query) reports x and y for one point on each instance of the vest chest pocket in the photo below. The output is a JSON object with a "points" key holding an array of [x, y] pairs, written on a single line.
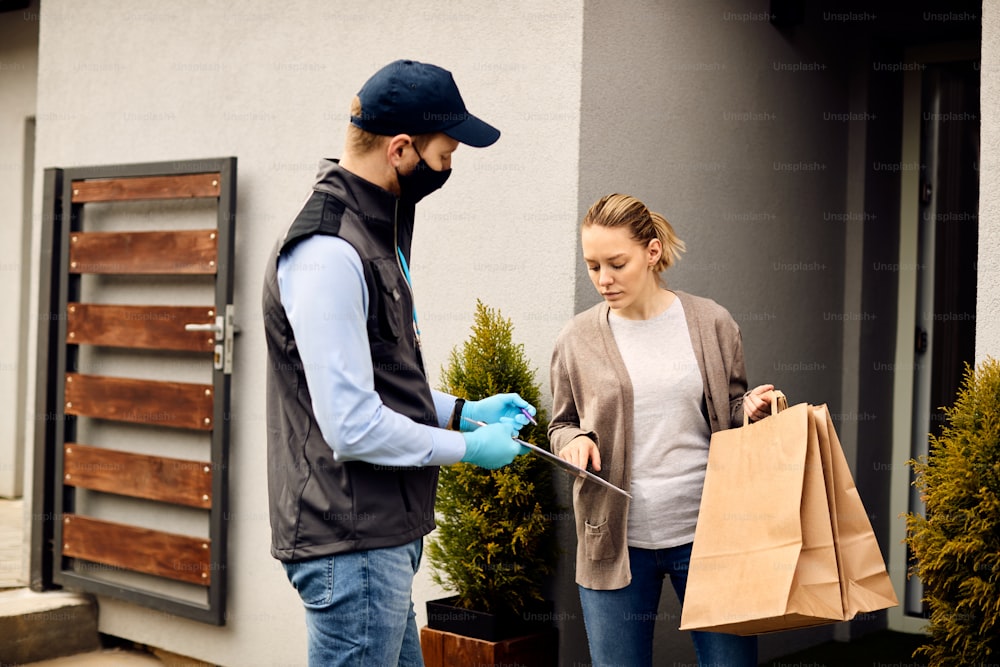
{"points": [[390, 302]]}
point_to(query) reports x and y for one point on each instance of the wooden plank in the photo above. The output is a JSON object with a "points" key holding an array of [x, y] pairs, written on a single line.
{"points": [[431, 645], [169, 480], [182, 186], [157, 403], [144, 327], [158, 252], [147, 327], [168, 555]]}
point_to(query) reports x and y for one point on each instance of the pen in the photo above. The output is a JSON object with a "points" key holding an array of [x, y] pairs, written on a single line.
{"points": [[528, 415], [479, 423], [473, 421]]}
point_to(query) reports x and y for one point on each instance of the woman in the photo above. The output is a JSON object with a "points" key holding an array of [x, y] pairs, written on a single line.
{"points": [[640, 382]]}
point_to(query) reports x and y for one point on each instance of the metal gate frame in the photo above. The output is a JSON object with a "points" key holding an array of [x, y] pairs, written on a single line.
{"points": [[52, 500]]}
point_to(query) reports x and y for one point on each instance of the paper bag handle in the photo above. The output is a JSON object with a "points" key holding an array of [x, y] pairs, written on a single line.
{"points": [[778, 403]]}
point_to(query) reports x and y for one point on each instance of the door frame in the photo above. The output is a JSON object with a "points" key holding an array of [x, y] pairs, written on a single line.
{"points": [[907, 310]]}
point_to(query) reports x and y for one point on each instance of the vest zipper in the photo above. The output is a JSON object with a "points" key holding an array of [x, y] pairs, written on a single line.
{"points": [[404, 270]]}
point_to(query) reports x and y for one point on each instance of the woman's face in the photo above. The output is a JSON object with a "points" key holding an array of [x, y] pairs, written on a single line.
{"points": [[620, 267]]}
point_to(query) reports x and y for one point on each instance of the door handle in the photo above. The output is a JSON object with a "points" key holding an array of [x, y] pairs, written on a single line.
{"points": [[216, 328], [921, 341], [224, 329]]}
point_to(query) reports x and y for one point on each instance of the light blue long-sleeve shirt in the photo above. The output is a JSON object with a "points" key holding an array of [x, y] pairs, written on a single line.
{"points": [[323, 291]]}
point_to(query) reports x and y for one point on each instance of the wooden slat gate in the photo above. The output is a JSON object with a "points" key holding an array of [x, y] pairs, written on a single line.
{"points": [[135, 360]]}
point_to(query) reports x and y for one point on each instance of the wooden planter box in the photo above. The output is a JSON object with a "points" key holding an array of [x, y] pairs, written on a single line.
{"points": [[446, 649]]}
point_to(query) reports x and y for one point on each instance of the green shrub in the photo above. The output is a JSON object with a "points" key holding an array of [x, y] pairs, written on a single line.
{"points": [[495, 542], [956, 546]]}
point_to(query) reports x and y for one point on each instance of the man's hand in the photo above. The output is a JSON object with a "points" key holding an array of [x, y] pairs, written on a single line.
{"points": [[492, 446]]}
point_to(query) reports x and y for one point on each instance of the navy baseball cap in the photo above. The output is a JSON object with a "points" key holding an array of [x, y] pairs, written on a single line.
{"points": [[409, 97]]}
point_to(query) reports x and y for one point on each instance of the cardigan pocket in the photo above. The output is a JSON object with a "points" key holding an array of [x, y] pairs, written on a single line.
{"points": [[598, 541]]}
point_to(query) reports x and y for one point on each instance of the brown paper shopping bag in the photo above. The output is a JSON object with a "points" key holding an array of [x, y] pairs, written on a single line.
{"points": [[783, 540]]}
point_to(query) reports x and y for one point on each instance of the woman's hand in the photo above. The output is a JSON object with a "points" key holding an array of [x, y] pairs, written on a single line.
{"points": [[757, 402], [580, 451]]}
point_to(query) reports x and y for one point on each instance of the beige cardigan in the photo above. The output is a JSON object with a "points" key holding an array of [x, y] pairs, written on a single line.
{"points": [[592, 395]]}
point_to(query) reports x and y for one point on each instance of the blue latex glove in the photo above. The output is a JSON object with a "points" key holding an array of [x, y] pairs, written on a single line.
{"points": [[492, 409], [492, 446]]}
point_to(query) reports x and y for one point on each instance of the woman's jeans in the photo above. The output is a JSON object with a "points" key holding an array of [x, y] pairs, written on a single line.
{"points": [[620, 622], [359, 610]]}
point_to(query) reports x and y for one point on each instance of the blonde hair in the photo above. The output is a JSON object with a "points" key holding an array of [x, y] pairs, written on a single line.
{"points": [[617, 210], [361, 141]]}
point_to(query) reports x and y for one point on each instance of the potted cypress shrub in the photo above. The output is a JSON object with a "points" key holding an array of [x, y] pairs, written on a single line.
{"points": [[495, 542], [956, 546]]}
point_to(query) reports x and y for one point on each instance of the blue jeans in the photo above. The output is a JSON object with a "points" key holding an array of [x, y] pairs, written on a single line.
{"points": [[620, 622], [359, 609]]}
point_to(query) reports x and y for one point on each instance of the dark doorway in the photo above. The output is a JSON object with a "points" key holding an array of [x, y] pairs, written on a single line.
{"points": [[945, 334]]}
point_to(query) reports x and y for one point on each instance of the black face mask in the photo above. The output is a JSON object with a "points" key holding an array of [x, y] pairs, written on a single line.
{"points": [[421, 181]]}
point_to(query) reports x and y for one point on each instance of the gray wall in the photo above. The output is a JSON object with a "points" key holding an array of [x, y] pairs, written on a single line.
{"points": [[718, 121], [721, 122]]}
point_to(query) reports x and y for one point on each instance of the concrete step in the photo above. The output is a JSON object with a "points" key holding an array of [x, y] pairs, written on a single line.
{"points": [[41, 626], [104, 658], [13, 573]]}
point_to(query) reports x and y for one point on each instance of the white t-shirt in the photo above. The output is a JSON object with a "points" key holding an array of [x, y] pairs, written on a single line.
{"points": [[671, 434]]}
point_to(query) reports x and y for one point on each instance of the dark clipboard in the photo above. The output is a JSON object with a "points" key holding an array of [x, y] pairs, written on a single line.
{"points": [[574, 470]]}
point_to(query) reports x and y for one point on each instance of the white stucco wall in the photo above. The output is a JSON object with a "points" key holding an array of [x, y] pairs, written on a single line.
{"points": [[988, 294], [270, 84], [18, 68]]}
